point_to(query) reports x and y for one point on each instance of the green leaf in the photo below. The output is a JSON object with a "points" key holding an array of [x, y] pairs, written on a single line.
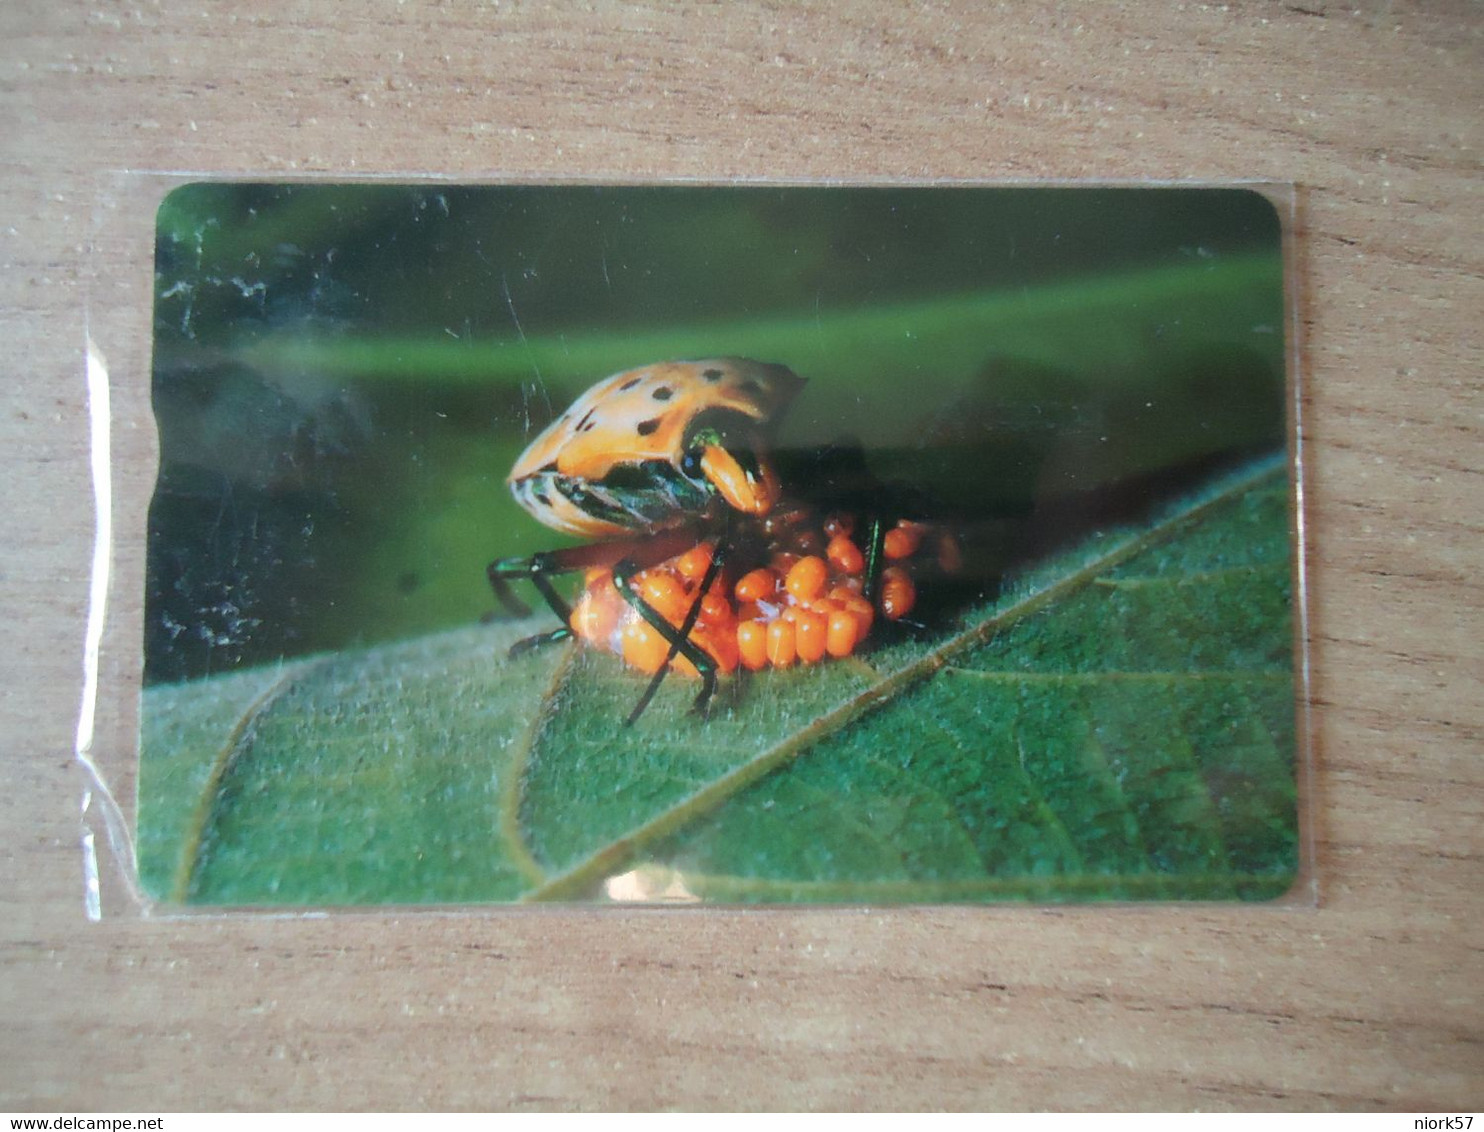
{"points": [[1117, 724]]}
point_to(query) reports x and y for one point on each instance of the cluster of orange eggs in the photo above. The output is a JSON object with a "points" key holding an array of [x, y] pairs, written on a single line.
{"points": [[798, 608]]}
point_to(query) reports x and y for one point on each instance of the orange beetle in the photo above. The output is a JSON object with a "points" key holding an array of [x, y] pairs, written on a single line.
{"points": [[657, 446], [669, 465]]}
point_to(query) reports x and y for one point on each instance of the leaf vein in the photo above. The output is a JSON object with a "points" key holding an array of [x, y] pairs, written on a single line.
{"points": [[239, 740]]}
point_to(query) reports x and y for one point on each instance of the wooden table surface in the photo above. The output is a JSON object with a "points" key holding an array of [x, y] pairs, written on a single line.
{"points": [[1374, 999]]}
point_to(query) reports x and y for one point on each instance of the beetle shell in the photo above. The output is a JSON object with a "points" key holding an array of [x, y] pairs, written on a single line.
{"points": [[612, 463]]}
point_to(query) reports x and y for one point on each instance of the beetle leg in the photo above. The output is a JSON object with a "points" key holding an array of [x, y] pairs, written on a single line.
{"points": [[512, 605], [526, 644], [679, 639], [539, 569]]}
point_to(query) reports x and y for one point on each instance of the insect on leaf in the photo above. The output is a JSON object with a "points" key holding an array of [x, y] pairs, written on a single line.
{"points": [[1118, 723]]}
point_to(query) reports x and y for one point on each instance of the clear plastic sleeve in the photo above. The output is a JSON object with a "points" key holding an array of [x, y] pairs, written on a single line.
{"points": [[466, 545]]}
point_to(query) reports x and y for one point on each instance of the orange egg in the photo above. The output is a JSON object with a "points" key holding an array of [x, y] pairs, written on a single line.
{"points": [[901, 542], [643, 648], [715, 609], [719, 644], [594, 617], [811, 632], [898, 594], [693, 564], [839, 525], [750, 611], [809, 542], [752, 644], [757, 585], [665, 595], [782, 646], [850, 585], [845, 556], [864, 613], [806, 578], [840, 636]]}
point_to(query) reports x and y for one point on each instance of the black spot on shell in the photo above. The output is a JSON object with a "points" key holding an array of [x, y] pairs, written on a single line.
{"points": [[750, 386], [712, 374], [586, 423], [663, 393], [626, 386], [543, 499], [647, 427]]}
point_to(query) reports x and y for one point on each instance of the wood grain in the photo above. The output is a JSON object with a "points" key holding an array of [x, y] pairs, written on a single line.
{"points": [[1373, 1000]]}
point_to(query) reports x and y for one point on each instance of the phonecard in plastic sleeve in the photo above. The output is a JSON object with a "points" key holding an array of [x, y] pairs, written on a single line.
{"points": [[474, 544]]}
